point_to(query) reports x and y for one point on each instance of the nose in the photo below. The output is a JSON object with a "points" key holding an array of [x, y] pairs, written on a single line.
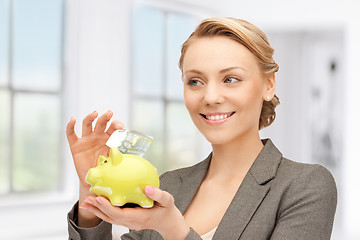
{"points": [[213, 94]]}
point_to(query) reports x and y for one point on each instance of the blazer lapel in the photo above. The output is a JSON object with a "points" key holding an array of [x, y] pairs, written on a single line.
{"points": [[250, 194], [190, 184]]}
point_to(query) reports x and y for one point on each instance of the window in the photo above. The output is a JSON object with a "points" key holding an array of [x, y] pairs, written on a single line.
{"points": [[30, 95], [157, 101]]}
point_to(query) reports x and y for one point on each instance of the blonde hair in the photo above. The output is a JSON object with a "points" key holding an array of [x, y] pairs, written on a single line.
{"points": [[253, 39]]}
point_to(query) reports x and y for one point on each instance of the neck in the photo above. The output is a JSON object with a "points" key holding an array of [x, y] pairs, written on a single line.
{"points": [[233, 160]]}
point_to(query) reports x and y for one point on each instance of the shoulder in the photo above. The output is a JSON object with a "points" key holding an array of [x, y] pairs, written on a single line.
{"points": [[305, 175], [305, 184], [304, 197]]}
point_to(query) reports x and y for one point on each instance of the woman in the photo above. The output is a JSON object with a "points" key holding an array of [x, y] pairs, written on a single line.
{"points": [[245, 189]]}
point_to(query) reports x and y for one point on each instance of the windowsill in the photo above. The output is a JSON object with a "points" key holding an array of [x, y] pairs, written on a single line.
{"points": [[40, 216], [37, 215], [35, 198]]}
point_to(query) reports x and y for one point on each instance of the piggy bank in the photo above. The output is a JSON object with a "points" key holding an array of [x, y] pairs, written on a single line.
{"points": [[122, 178]]}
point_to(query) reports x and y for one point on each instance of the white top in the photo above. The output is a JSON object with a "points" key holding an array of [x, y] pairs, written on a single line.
{"points": [[209, 235]]}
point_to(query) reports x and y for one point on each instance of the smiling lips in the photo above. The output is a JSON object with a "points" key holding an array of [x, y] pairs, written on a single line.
{"points": [[217, 117]]}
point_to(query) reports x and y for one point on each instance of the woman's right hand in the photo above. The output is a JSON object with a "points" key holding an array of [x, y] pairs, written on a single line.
{"points": [[87, 149], [85, 152]]}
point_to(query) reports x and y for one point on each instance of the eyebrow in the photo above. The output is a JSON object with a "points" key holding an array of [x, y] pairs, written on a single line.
{"points": [[221, 71], [232, 68]]}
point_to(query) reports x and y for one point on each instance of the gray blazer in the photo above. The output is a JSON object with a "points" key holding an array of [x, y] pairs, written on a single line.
{"points": [[278, 199]]}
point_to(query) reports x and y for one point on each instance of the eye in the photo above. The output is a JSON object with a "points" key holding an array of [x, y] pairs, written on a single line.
{"points": [[231, 80], [105, 161], [194, 83]]}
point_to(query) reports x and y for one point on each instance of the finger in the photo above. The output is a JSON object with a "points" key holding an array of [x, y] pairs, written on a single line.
{"points": [[106, 207], [100, 125], [127, 217], [115, 125], [94, 210], [164, 199], [91, 204], [87, 123], [70, 131]]}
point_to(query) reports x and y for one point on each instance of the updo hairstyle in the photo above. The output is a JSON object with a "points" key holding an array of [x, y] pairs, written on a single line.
{"points": [[253, 39]]}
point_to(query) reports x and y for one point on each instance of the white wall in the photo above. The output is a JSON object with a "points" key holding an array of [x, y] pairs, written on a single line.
{"points": [[98, 56]]}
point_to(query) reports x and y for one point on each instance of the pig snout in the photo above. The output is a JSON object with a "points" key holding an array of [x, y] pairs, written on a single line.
{"points": [[93, 176]]}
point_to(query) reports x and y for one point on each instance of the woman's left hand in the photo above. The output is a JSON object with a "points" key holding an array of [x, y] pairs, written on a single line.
{"points": [[163, 217]]}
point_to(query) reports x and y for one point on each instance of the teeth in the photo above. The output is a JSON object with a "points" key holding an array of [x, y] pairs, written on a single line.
{"points": [[217, 117]]}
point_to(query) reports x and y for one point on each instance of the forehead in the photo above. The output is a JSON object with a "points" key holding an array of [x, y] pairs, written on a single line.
{"points": [[218, 52]]}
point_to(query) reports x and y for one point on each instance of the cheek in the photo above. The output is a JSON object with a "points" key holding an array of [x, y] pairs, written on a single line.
{"points": [[253, 104], [191, 108], [191, 100], [249, 102]]}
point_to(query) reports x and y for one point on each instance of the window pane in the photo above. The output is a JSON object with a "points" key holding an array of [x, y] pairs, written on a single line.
{"points": [[147, 50], [148, 118], [182, 137], [4, 141], [179, 28], [36, 142], [4, 36], [37, 44]]}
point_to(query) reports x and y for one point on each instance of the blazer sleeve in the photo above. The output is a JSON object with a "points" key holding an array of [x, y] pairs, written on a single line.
{"points": [[308, 207], [102, 231]]}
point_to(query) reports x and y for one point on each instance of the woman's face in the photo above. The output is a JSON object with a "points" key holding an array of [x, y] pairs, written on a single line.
{"points": [[224, 89]]}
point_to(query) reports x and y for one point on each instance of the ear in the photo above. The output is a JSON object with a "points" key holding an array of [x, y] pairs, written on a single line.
{"points": [[270, 87], [115, 155]]}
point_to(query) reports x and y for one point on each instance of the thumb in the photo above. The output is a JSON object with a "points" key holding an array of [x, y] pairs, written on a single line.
{"points": [[163, 199]]}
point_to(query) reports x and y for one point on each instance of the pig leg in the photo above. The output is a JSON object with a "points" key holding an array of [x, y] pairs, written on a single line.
{"points": [[143, 200], [118, 200], [146, 202]]}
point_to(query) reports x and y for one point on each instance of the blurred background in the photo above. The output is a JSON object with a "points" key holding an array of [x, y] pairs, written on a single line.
{"points": [[63, 58]]}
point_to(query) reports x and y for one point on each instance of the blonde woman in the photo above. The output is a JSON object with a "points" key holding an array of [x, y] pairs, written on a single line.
{"points": [[245, 188]]}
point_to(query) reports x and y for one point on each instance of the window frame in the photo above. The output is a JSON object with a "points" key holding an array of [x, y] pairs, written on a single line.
{"points": [[62, 192], [197, 13]]}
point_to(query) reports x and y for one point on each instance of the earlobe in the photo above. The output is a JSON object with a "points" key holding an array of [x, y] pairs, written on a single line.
{"points": [[270, 88]]}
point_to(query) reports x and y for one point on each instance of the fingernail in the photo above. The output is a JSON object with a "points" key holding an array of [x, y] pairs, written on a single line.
{"points": [[149, 190], [88, 201], [98, 200], [83, 207]]}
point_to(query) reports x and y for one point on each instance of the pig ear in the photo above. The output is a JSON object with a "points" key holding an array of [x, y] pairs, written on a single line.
{"points": [[115, 155]]}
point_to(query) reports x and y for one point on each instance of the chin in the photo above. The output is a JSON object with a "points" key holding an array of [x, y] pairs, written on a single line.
{"points": [[218, 138], [229, 135]]}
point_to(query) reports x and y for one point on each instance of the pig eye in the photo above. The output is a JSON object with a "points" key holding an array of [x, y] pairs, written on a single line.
{"points": [[105, 161]]}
